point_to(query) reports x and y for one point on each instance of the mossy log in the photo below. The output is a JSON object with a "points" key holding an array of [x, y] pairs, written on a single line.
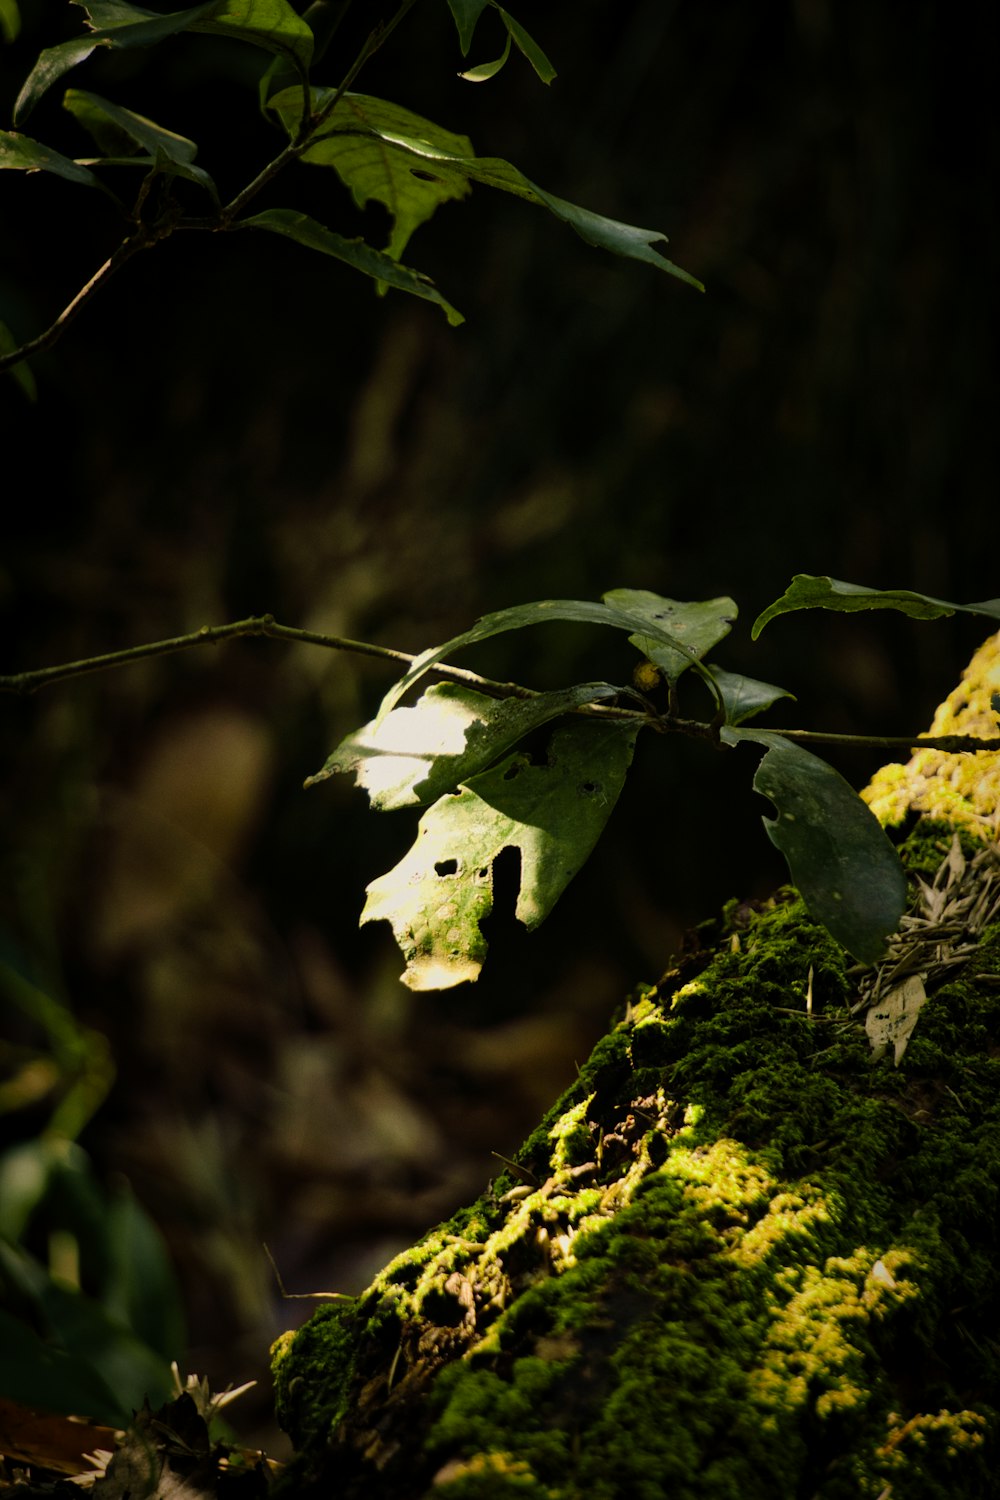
{"points": [[752, 1252]]}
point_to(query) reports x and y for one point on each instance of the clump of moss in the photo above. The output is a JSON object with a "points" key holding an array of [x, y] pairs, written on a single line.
{"points": [[744, 1258]]}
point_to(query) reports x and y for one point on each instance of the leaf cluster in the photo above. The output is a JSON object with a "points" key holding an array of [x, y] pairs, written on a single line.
{"points": [[380, 150], [472, 762]]}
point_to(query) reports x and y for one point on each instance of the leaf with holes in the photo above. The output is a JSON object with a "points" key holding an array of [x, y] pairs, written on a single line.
{"points": [[417, 754], [840, 859], [697, 627], [441, 891]]}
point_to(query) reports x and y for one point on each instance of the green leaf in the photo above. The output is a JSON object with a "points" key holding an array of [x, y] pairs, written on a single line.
{"points": [[361, 140], [356, 253], [415, 755], [140, 1289], [55, 61], [420, 165], [8, 343], [119, 131], [847, 871], [441, 891], [271, 24], [528, 46], [10, 20], [35, 1374], [745, 697], [465, 14], [809, 591], [643, 616], [21, 153], [487, 70], [698, 626]]}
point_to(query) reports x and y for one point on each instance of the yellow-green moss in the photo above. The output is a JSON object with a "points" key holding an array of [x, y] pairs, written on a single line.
{"points": [[744, 1260]]}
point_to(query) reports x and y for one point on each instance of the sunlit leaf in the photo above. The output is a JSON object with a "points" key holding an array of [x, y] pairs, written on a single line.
{"points": [[891, 1020], [528, 46], [698, 626], [384, 155], [744, 697], [809, 591], [363, 257], [441, 891], [840, 859], [415, 755], [466, 13], [361, 141], [487, 70], [119, 131], [644, 616]]}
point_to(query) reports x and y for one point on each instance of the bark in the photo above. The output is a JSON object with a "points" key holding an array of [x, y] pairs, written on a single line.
{"points": [[751, 1252]]}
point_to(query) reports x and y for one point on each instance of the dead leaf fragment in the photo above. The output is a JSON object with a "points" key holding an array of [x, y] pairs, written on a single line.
{"points": [[892, 1019]]}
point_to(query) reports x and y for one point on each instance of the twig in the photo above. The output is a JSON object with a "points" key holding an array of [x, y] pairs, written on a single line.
{"points": [[266, 625]]}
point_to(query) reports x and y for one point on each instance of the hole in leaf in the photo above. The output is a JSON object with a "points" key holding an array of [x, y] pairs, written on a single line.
{"points": [[423, 176], [514, 769], [590, 787], [446, 867]]}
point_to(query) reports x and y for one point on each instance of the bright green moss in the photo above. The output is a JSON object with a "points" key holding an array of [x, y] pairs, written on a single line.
{"points": [[756, 1263]]}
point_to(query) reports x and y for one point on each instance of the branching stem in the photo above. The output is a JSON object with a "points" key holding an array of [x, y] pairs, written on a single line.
{"points": [[266, 625]]}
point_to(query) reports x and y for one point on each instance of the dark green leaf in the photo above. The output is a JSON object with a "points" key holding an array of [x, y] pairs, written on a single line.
{"points": [[55, 61], [840, 859], [528, 46], [466, 13], [383, 156], [119, 131], [272, 24], [643, 617], [8, 343], [441, 891], [415, 755], [698, 626], [363, 257], [809, 591], [140, 1289], [38, 1375], [21, 153], [745, 697], [487, 70]]}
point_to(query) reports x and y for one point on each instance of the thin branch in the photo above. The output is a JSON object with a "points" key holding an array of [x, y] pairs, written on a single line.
{"points": [[138, 240], [266, 625]]}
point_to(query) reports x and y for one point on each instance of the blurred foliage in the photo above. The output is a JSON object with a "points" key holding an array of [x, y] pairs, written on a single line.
{"points": [[200, 451]]}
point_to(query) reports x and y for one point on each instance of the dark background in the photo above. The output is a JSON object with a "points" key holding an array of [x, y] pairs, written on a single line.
{"points": [[237, 426]]}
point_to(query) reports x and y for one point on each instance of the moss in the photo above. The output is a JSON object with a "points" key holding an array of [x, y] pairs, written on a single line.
{"points": [[745, 1259]]}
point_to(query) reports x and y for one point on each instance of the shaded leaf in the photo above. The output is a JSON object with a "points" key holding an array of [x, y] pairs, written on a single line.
{"points": [[10, 20], [487, 70], [53, 62], [36, 1374], [8, 343], [441, 891], [528, 46], [745, 697], [642, 616], [839, 857], [140, 1289], [443, 169], [810, 591], [465, 14], [698, 626], [415, 755], [119, 131], [21, 153], [363, 257]]}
